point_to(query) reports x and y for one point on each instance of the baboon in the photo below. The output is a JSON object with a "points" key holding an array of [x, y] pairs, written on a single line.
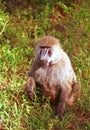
{"points": [[53, 71]]}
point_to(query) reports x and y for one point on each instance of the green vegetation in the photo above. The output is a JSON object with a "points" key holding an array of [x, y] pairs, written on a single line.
{"points": [[19, 29]]}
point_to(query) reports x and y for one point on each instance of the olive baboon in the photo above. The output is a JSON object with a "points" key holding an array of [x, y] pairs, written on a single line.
{"points": [[53, 71]]}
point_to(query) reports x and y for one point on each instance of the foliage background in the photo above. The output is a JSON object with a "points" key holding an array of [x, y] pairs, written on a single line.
{"points": [[21, 24]]}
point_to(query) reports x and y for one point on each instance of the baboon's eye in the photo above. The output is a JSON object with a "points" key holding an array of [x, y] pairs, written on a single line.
{"points": [[49, 52], [40, 51]]}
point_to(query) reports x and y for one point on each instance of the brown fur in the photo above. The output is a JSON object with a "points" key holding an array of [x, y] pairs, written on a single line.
{"points": [[48, 41]]}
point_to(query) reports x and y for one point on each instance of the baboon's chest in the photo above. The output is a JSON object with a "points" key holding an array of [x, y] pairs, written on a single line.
{"points": [[49, 82], [50, 77]]}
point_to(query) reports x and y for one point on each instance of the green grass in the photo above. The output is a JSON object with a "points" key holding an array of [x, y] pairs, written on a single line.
{"points": [[17, 41]]}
